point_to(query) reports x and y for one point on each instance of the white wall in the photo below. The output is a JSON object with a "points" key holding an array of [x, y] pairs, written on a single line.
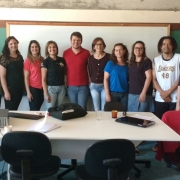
{"points": [[66, 15]]}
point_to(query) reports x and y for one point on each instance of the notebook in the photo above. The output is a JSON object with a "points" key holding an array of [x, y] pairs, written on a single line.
{"points": [[43, 126], [135, 121]]}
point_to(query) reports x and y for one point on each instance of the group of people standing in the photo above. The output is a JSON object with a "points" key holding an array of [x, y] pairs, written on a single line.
{"points": [[113, 77]]}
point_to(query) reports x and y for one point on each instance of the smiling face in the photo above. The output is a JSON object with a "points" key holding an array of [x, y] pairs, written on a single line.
{"points": [[34, 49], [13, 45], [52, 50], [119, 52], [167, 47], [138, 50], [99, 47], [76, 42]]}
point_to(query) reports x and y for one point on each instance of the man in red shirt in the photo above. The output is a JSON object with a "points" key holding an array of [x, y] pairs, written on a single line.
{"points": [[77, 74]]}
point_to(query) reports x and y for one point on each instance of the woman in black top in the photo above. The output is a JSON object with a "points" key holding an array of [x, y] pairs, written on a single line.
{"points": [[11, 73], [53, 70], [96, 64]]}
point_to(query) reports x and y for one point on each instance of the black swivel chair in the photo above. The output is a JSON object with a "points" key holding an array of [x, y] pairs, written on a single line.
{"points": [[109, 106], [29, 155], [107, 160]]}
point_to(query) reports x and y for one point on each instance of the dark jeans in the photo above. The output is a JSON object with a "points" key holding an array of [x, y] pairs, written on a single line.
{"points": [[36, 102], [16, 96], [120, 97], [162, 107]]}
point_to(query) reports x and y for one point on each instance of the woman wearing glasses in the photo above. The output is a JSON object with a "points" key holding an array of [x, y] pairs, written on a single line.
{"points": [[96, 64], [32, 76], [140, 80], [11, 73]]}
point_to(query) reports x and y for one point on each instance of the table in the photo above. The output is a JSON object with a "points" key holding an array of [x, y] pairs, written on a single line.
{"points": [[71, 140]]}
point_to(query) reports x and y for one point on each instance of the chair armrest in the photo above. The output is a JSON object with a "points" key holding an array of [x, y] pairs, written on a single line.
{"points": [[24, 153], [111, 162]]}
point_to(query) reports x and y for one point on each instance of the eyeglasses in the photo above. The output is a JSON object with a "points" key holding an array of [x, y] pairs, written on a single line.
{"points": [[98, 44], [139, 48]]}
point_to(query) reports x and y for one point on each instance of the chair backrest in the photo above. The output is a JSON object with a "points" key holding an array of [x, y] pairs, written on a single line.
{"points": [[22, 140], [109, 106], [172, 119], [109, 149]]}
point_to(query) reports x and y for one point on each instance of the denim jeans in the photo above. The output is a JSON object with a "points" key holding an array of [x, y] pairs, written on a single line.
{"points": [[79, 95], [120, 97], [37, 100], [57, 94], [98, 96]]}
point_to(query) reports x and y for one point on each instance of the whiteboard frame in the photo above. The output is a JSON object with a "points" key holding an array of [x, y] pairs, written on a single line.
{"points": [[10, 24]]}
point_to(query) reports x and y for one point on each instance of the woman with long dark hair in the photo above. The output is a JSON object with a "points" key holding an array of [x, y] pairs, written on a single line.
{"points": [[140, 80], [116, 75], [11, 73], [32, 76]]}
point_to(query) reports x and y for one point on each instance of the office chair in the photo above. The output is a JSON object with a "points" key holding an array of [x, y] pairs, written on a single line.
{"points": [[170, 151], [107, 160], [29, 155], [109, 106], [112, 105]]}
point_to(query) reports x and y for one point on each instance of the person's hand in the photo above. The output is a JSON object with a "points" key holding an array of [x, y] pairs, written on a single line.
{"points": [[7, 96], [164, 94], [167, 99], [142, 97], [108, 98], [47, 98], [30, 97]]}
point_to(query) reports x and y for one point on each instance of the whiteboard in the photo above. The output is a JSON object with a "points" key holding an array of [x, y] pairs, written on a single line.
{"points": [[127, 35]]}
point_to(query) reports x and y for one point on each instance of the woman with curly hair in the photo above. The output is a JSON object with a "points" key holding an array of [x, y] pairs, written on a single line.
{"points": [[116, 75], [140, 80], [11, 73]]}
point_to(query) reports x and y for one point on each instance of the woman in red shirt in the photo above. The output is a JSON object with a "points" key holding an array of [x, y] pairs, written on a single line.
{"points": [[32, 76]]}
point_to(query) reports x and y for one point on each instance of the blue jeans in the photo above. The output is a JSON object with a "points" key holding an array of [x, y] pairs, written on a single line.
{"points": [[120, 97], [57, 94], [98, 96], [79, 95], [135, 106]]}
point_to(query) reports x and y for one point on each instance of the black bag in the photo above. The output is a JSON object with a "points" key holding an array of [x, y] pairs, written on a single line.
{"points": [[67, 111]]}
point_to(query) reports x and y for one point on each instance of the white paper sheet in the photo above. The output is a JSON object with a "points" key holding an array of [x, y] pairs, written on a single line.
{"points": [[43, 126]]}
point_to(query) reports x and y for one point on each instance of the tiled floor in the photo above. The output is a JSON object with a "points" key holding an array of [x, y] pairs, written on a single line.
{"points": [[157, 171]]}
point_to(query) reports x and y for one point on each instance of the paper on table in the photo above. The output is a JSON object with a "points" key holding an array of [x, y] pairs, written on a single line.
{"points": [[142, 117], [43, 126]]}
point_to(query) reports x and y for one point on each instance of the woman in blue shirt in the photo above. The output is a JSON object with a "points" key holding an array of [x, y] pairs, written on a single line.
{"points": [[116, 75]]}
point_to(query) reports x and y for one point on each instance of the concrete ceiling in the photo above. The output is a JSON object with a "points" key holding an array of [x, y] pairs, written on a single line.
{"points": [[152, 5]]}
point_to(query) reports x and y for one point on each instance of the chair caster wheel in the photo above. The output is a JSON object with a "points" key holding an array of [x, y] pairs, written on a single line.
{"points": [[137, 175]]}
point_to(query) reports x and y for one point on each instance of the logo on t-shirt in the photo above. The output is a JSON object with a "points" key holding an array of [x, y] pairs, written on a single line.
{"points": [[166, 68], [61, 64]]}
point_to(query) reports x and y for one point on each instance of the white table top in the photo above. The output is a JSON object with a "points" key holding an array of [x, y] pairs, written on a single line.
{"points": [[88, 128]]}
